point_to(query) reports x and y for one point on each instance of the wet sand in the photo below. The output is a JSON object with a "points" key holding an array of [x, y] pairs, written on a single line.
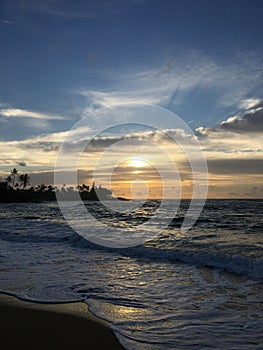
{"points": [[25, 325]]}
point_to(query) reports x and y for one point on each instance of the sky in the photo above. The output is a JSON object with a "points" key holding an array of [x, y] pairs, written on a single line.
{"points": [[62, 61]]}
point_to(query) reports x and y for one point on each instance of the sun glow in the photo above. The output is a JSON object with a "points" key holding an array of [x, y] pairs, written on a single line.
{"points": [[137, 163]]}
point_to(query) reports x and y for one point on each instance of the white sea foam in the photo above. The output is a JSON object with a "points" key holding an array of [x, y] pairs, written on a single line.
{"points": [[173, 292]]}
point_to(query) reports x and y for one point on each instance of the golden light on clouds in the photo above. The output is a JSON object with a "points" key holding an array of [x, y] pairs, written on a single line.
{"points": [[134, 178], [234, 171], [137, 162]]}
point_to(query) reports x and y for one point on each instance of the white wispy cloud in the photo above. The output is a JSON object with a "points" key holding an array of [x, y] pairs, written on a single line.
{"points": [[111, 98], [23, 113], [6, 21], [170, 81], [249, 103], [68, 10], [160, 84]]}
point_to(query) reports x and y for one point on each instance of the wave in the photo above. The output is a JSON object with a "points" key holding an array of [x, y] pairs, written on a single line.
{"points": [[24, 297], [39, 238], [179, 250], [252, 267], [242, 265]]}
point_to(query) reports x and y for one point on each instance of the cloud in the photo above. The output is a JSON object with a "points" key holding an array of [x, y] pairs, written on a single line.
{"points": [[234, 148], [250, 122], [40, 124], [219, 143], [80, 139], [47, 142], [249, 103], [58, 137], [235, 166], [224, 167], [163, 84], [5, 21], [170, 81], [21, 163], [68, 10], [55, 9], [47, 177], [22, 113], [41, 151], [99, 99], [12, 161]]}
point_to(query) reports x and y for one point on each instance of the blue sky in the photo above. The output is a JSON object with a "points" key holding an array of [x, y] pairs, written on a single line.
{"points": [[60, 60]]}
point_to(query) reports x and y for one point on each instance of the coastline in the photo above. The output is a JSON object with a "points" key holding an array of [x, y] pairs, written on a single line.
{"points": [[27, 325]]}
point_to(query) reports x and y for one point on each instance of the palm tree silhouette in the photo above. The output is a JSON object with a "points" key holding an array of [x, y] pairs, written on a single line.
{"points": [[13, 175], [24, 180], [21, 179], [8, 180]]}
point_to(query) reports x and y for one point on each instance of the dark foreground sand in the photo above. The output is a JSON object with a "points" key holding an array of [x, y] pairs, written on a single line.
{"points": [[28, 326]]}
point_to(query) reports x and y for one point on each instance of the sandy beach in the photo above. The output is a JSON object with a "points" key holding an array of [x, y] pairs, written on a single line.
{"points": [[25, 325]]}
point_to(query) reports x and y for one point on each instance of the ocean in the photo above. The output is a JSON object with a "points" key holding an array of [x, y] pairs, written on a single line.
{"points": [[196, 290]]}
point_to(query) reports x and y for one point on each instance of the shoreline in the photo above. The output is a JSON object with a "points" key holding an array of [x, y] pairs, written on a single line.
{"points": [[28, 325]]}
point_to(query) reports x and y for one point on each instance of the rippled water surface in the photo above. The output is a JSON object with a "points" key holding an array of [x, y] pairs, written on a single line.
{"points": [[201, 289]]}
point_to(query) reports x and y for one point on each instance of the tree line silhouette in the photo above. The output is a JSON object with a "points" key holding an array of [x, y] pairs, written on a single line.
{"points": [[16, 188]]}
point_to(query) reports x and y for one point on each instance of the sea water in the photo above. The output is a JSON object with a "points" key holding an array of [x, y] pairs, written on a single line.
{"points": [[196, 290]]}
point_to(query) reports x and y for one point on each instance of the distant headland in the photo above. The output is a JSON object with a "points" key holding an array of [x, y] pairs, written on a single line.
{"points": [[16, 188]]}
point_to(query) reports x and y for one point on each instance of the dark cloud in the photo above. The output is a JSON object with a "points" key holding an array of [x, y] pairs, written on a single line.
{"points": [[166, 136], [251, 121], [41, 145], [235, 166], [47, 177], [100, 143], [230, 166], [11, 161], [21, 163], [123, 173]]}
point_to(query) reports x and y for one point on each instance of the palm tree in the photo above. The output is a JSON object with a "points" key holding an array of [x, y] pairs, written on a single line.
{"points": [[24, 180], [21, 179], [13, 175], [50, 188], [93, 187], [8, 180], [42, 187]]}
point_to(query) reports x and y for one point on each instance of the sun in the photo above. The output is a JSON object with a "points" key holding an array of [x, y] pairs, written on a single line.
{"points": [[137, 162]]}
